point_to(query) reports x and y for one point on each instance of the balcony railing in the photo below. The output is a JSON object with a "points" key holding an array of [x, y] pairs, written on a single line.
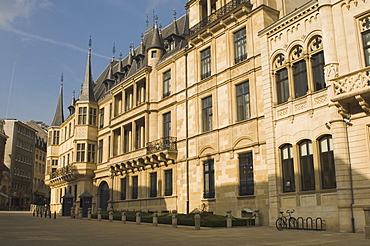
{"points": [[352, 82], [61, 172], [166, 143], [227, 8]]}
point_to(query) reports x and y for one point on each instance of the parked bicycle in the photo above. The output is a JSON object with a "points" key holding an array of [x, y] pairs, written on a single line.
{"points": [[285, 222]]}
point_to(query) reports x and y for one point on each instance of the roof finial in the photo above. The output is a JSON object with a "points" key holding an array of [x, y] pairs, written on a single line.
{"points": [[174, 14], [114, 49], [147, 20], [120, 55], [90, 42], [61, 79]]}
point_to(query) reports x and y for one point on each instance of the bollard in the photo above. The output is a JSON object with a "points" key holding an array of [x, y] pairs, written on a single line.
{"points": [[33, 213], [110, 215], [257, 215], [55, 214], [155, 218], [367, 222], [229, 222], [99, 214], [123, 214], [174, 219], [89, 214], [138, 218], [46, 213], [197, 219], [80, 213], [49, 211], [72, 213]]}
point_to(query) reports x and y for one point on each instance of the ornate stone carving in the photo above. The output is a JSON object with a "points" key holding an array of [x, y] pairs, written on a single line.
{"points": [[363, 103], [350, 83], [331, 72]]}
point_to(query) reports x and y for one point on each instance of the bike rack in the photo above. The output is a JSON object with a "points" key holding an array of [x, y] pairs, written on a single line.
{"points": [[308, 224]]}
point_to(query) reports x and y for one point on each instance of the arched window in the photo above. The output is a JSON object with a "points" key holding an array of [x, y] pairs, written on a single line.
{"points": [[281, 77], [287, 168], [328, 179], [104, 195], [307, 169], [299, 72], [317, 63]]}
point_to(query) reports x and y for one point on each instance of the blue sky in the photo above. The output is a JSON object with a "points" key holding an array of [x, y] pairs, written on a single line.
{"points": [[41, 39]]}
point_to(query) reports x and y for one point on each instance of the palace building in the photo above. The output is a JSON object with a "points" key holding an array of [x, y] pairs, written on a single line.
{"points": [[237, 105]]}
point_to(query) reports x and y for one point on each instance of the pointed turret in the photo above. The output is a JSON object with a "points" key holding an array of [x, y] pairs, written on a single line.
{"points": [[156, 42], [87, 92], [59, 115], [71, 107]]}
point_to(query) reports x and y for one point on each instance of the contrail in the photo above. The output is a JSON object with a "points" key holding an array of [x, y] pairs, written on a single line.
{"points": [[10, 90], [48, 40]]}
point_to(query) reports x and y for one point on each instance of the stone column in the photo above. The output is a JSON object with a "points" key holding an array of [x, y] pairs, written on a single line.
{"points": [[197, 219], [155, 218], [110, 215], [329, 42], [209, 7], [174, 218], [229, 222], [257, 217], [99, 214], [123, 215], [80, 213], [138, 218]]}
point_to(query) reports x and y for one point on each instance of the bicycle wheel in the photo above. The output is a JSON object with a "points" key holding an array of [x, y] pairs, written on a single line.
{"points": [[292, 223], [279, 224]]}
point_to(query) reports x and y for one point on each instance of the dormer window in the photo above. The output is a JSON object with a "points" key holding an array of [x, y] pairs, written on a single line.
{"points": [[138, 63]]}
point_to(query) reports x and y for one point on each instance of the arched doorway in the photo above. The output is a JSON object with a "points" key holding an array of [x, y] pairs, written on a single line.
{"points": [[104, 196]]}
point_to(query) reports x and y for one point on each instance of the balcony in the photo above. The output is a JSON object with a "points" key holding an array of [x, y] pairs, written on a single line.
{"points": [[62, 174], [352, 92], [161, 152], [223, 15]]}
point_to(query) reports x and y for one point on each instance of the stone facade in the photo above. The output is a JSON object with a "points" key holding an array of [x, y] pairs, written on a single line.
{"points": [[237, 105]]}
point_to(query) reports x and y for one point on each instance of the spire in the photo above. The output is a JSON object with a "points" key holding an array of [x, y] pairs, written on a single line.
{"points": [[87, 92], [175, 30], [156, 42], [59, 115]]}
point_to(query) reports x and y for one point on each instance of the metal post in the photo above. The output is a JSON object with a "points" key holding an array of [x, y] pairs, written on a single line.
{"points": [[155, 218], [55, 214], [89, 213], [229, 222], [197, 219], [174, 218], [124, 217], [99, 214], [138, 218]]}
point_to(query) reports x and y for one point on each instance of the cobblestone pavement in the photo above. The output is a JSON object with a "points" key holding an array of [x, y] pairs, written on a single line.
{"points": [[21, 228]]}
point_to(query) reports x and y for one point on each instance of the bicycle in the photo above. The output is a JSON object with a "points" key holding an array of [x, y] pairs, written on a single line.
{"points": [[285, 221]]}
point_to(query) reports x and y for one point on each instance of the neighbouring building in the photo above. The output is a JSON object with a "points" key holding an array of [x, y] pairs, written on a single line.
{"points": [[40, 190], [236, 105], [5, 180], [19, 158]]}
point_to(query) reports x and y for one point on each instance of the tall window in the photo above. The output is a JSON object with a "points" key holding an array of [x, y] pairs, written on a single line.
{"points": [[209, 179], [100, 151], [287, 168], [207, 114], [55, 137], [91, 153], [242, 101], [168, 182], [167, 125], [366, 44], [127, 138], [246, 186], [166, 83], [307, 169], [205, 59], [128, 98], [92, 116], [328, 179], [135, 187], [240, 45], [153, 185], [101, 118], [123, 188], [318, 70], [82, 114], [140, 92], [80, 153], [140, 133], [300, 78], [282, 85]]}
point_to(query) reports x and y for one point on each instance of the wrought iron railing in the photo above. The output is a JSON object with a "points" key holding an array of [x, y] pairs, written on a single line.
{"points": [[166, 143], [227, 8], [61, 172]]}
